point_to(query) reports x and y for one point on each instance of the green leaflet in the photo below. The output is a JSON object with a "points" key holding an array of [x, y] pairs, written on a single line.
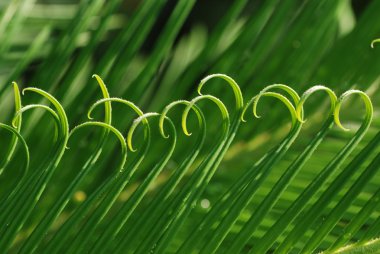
{"points": [[160, 223], [290, 172], [181, 203], [106, 192], [36, 184], [148, 221], [225, 203], [240, 202], [25, 183], [17, 125], [208, 166], [44, 225], [359, 219], [298, 205], [343, 204], [130, 205]]}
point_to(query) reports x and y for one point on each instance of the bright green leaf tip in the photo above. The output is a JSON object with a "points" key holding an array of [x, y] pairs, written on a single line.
{"points": [[254, 101], [30, 106], [107, 105], [293, 94], [189, 105], [374, 42], [108, 127], [17, 97], [290, 91], [114, 99], [310, 91], [235, 87], [136, 122], [222, 108], [60, 110], [245, 109], [166, 111], [367, 103], [184, 118]]}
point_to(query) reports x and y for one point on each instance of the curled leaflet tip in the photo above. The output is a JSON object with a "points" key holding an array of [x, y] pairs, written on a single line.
{"points": [[235, 88], [368, 106], [136, 122], [374, 42]]}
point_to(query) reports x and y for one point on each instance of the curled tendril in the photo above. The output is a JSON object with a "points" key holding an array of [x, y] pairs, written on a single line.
{"points": [[183, 123], [110, 128], [285, 88], [129, 104], [219, 103], [367, 103], [374, 42], [235, 87], [15, 132], [307, 93], [125, 102], [64, 124], [106, 100], [282, 98], [31, 106], [107, 104], [17, 125], [48, 109], [136, 122]]}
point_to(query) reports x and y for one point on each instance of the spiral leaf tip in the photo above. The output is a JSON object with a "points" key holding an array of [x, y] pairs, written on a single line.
{"points": [[136, 122], [374, 42], [367, 103], [235, 88]]}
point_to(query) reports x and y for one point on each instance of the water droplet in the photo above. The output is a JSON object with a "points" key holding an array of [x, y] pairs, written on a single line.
{"points": [[205, 203]]}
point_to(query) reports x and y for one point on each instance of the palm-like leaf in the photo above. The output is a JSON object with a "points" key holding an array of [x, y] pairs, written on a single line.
{"points": [[263, 186]]}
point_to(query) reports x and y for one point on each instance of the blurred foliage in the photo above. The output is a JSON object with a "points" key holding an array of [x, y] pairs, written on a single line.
{"points": [[155, 52]]}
